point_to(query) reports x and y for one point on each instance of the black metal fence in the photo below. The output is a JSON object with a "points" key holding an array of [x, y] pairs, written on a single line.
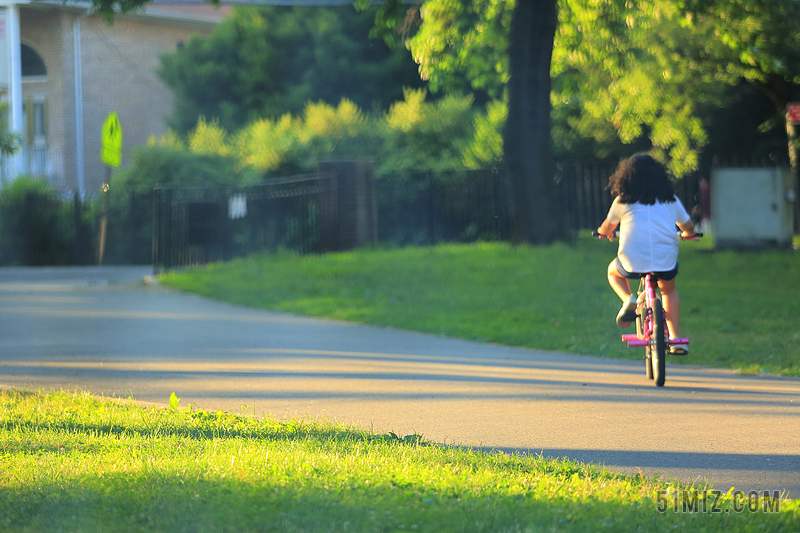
{"points": [[585, 199], [309, 213], [426, 208], [130, 221], [202, 224], [339, 209]]}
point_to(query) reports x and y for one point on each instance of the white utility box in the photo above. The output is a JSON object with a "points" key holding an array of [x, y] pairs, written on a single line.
{"points": [[752, 207]]}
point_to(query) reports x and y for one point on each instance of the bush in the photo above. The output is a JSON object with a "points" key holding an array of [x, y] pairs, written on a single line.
{"points": [[294, 145], [486, 148], [165, 166], [427, 136], [415, 135], [35, 225]]}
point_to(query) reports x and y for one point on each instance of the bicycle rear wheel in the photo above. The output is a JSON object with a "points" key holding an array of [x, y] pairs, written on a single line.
{"points": [[658, 345]]}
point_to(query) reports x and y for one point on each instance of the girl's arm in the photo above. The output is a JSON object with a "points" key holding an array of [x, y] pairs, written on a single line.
{"points": [[687, 230]]}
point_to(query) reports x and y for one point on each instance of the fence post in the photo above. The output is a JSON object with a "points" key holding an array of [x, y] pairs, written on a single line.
{"points": [[429, 188], [327, 215], [156, 245], [78, 255], [355, 200]]}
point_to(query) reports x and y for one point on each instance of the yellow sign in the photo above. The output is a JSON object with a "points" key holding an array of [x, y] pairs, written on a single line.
{"points": [[111, 152]]}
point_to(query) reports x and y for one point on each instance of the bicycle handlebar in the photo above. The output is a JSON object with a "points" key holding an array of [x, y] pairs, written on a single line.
{"points": [[599, 235], [694, 237]]}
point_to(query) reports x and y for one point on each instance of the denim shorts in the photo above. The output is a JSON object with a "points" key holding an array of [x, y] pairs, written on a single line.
{"points": [[666, 276]]}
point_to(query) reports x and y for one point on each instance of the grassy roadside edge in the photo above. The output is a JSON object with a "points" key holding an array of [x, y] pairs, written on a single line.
{"points": [[75, 462]]}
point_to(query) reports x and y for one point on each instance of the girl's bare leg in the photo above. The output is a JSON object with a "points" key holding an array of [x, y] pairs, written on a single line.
{"points": [[672, 306], [620, 285]]}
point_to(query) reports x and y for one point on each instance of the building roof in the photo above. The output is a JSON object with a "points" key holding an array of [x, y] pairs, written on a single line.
{"points": [[195, 13], [197, 10]]}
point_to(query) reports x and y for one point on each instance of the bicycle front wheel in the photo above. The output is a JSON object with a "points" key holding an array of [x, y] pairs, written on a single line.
{"points": [[648, 362], [658, 345]]}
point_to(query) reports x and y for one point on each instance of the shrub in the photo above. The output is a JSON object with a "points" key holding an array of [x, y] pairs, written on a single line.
{"points": [[156, 165], [34, 225], [426, 136], [292, 145]]}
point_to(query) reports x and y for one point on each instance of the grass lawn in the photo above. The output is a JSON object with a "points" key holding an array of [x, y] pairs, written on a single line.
{"points": [[740, 309], [71, 462]]}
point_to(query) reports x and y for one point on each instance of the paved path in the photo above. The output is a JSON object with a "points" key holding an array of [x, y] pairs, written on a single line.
{"points": [[106, 331]]}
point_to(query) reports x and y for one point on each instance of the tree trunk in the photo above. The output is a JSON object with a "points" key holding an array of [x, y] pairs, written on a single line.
{"points": [[535, 205]]}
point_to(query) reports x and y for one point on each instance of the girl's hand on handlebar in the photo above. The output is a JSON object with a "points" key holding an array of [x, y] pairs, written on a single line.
{"points": [[610, 237], [606, 230], [693, 236]]}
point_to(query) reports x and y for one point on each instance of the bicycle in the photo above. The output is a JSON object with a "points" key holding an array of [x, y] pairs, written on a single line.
{"points": [[651, 325]]}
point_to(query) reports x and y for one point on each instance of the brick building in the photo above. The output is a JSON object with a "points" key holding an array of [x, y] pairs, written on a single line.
{"points": [[72, 69]]}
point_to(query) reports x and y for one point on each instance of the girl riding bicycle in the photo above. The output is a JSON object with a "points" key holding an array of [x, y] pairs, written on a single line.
{"points": [[646, 207]]}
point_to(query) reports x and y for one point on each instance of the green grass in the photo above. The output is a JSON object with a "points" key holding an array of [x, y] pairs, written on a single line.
{"points": [[740, 309], [71, 462]]}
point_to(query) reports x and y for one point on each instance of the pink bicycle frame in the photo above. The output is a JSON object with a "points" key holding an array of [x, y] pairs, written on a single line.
{"points": [[633, 339]]}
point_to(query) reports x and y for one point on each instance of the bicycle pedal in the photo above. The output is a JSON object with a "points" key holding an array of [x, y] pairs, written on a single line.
{"points": [[678, 342], [678, 347]]}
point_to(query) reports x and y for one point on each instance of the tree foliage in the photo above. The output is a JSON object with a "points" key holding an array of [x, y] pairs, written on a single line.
{"points": [[463, 46], [294, 143], [635, 70], [415, 134], [426, 135], [267, 61], [640, 69], [754, 40], [624, 69]]}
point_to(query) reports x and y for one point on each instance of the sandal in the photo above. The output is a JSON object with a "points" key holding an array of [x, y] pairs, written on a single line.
{"points": [[627, 314], [679, 349]]}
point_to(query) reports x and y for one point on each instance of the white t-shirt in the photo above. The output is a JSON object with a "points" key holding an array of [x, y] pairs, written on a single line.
{"points": [[648, 239]]}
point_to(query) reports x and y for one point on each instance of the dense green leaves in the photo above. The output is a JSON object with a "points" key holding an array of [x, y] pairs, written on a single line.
{"points": [[635, 74], [463, 45], [758, 38], [170, 165], [630, 70], [642, 73], [415, 134], [429, 136], [267, 61]]}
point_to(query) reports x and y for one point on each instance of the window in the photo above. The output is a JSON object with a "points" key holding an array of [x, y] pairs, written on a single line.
{"points": [[32, 63], [38, 120], [35, 132]]}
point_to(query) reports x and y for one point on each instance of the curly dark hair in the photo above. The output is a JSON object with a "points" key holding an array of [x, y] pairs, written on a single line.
{"points": [[641, 179]]}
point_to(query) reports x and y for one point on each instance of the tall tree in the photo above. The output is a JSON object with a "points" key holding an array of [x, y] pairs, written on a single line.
{"points": [[631, 68], [534, 202], [447, 55]]}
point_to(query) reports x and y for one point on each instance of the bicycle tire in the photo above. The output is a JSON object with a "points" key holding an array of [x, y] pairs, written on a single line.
{"points": [[658, 350], [648, 363]]}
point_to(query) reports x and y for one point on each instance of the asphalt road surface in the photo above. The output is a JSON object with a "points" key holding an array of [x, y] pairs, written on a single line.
{"points": [[108, 331]]}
